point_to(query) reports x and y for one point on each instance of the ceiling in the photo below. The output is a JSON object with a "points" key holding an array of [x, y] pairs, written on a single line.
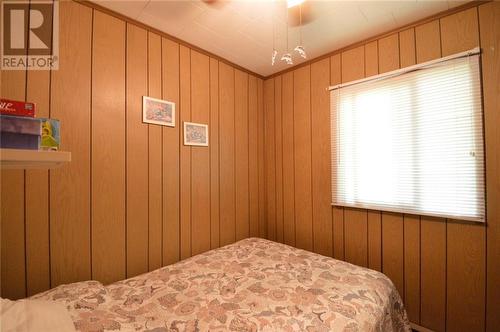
{"points": [[242, 31]]}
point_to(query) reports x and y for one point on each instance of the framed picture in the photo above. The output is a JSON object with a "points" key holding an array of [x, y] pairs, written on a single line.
{"points": [[195, 134], [157, 111]]}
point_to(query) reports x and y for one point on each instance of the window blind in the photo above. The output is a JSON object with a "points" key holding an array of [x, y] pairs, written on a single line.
{"points": [[412, 142]]}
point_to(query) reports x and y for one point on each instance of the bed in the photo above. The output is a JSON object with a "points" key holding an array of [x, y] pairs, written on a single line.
{"points": [[251, 285]]}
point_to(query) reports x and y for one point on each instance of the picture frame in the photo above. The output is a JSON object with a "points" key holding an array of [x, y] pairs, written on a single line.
{"points": [[195, 134], [157, 111]]}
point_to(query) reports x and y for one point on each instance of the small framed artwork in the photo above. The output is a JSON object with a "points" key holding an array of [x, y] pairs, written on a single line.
{"points": [[157, 111], [195, 134]]}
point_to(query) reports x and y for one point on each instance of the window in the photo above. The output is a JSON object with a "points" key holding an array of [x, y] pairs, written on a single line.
{"points": [[412, 141]]}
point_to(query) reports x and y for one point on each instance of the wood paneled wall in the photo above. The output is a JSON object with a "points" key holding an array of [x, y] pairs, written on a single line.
{"points": [[447, 271], [134, 198]]}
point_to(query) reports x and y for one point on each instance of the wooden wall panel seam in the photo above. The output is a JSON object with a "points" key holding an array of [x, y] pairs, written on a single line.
{"points": [[126, 144], [311, 160], [275, 157], [210, 128], [190, 155], [420, 265], [149, 152], [234, 150], [91, 143], [248, 152], [162, 149]]}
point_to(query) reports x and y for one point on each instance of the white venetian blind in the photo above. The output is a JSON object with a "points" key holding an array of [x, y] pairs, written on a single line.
{"points": [[412, 141]]}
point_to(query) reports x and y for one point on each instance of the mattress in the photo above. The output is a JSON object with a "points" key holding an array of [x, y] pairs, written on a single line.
{"points": [[251, 285]]}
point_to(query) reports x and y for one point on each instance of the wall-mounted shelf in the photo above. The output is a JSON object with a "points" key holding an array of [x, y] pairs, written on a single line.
{"points": [[32, 159]]}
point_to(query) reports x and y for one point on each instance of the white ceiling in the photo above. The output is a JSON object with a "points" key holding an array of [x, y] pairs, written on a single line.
{"points": [[242, 31]]}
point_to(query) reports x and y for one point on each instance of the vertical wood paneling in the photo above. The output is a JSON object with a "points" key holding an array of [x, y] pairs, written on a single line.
{"points": [[388, 53], [412, 267], [424, 258], [115, 210], [321, 175], [70, 184], [428, 41], [338, 232], [261, 161], [465, 242], [393, 249], [253, 156], [288, 160], [392, 224], [489, 19], [171, 159], [355, 226], [453, 255], [241, 153], [13, 249], [278, 157], [371, 58], [12, 208], [335, 69], [303, 167], [411, 227], [433, 230], [459, 32], [37, 195], [227, 149], [213, 133], [270, 161], [465, 271], [374, 218], [433, 273], [185, 152], [155, 155], [200, 155], [375, 240], [353, 64], [108, 151], [356, 236], [337, 212], [137, 152], [407, 48]]}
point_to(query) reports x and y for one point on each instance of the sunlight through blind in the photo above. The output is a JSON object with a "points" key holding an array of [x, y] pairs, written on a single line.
{"points": [[412, 143]]}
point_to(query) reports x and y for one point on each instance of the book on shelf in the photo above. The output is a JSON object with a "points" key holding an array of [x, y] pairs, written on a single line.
{"points": [[19, 141], [17, 108]]}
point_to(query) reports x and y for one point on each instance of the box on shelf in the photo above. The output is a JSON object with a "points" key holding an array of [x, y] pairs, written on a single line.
{"points": [[10, 140], [20, 125], [17, 108], [17, 131], [51, 137]]}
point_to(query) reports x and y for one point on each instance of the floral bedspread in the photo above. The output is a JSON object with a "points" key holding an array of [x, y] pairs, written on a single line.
{"points": [[251, 285]]}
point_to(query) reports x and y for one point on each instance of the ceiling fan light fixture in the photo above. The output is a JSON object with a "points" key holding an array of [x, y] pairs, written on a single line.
{"points": [[293, 3], [287, 57], [273, 58], [300, 49]]}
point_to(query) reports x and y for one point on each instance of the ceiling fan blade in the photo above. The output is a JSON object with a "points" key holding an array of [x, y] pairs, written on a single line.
{"points": [[215, 3]]}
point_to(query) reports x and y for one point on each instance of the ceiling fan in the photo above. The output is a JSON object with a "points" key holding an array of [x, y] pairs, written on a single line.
{"points": [[295, 8]]}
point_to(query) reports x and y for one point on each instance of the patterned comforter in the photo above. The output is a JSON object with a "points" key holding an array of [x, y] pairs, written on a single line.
{"points": [[251, 285]]}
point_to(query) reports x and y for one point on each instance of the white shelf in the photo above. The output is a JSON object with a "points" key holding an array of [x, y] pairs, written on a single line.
{"points": [[32, 159]]}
